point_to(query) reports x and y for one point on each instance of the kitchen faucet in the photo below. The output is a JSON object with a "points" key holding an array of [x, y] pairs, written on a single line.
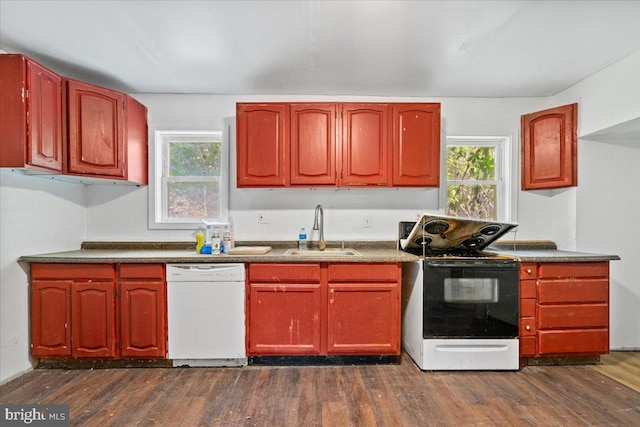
{"points": [[321, 243]]}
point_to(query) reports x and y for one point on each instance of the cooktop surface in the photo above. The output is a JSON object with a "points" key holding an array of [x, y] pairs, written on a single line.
{"points": [[441, 235]]}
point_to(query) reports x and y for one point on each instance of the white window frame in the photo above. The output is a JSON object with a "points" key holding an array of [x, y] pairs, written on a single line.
{"points": [[157, 190], [505, 207]]}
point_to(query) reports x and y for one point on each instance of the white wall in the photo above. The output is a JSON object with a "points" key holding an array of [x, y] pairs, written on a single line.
{"points": [[120, 214], [607, 202], [38, 216]]}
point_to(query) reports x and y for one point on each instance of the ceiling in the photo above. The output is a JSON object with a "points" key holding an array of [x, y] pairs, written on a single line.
{"points": [[386, 48]]}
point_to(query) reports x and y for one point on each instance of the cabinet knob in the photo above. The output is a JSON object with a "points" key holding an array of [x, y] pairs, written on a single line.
{"points": [[528, 327], [528, 271]]}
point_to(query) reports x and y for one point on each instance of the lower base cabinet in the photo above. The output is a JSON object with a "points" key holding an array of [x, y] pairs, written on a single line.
{"points": [[98, 311], [564, 309], [324, 309]]}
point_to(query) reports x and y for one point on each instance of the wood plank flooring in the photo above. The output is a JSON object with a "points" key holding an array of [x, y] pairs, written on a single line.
{"points": [[363, 395], [622, 366]]}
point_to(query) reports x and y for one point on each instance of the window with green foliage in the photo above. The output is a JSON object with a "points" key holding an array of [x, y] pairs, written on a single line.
{"points": [[191, 177], [476, 177]]}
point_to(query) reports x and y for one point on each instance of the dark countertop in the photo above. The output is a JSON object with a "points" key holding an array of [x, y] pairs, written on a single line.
{"points": [[184, 252], [553, 256], [181, 252], [543, 251]]}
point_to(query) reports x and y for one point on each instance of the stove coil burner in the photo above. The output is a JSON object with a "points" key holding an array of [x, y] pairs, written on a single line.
{"points": [[437, 227], [490, 230], [473, 242], [423, 241]]}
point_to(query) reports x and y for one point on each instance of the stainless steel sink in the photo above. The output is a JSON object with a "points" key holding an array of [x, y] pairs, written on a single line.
{"points": [[328, 253]]}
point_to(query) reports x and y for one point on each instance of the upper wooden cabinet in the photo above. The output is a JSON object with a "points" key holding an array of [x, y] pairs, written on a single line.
{"points": [[262, 143], [338, 144], [549, 148], [107, 133], [31, 109], [416, 145], [313, 144], [365, 144], [55, 125]]}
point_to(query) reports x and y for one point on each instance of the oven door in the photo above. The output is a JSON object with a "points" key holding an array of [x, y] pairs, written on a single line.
{"points": [[470, 299]]}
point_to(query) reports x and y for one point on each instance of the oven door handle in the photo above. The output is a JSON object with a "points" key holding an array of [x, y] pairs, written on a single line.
{"points": [[463, 264]]}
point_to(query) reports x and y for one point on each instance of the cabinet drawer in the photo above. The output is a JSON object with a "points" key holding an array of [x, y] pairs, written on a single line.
{"points": [[527, 288], [573, 291], [574, 269], [574, 342], [527, 326], [73, 271], [141, 271], [527, 346], [307, 273], [528, 307], [528, 270], [573, 316], [364, 272]]}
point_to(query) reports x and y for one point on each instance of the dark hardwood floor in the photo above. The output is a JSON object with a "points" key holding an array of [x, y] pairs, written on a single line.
{"points": [[364, 395]]}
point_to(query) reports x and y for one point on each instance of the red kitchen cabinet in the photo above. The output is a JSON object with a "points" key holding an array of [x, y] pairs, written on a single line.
{"points": [[76, 311], [107, 134], [363, 309], [284, 309], [338, 144], [142, 294], [93, 319], [31, 133], [324, 309], [416, 145], [549, 148], [571, 315], [51, 318], [262, 143], [365, 144], [313, 144], [96, 130]]}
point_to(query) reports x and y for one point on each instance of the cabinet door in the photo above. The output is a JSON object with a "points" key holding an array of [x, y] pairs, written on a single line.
{"points": [[30, 115], [45, 118], [96, 131], [416, 145], [365, 144], [363, 318], [313, 144], [50, 318], [549, 148], [262, 145], [136, 141], [93, 318], [284, 319], [143, 323]]}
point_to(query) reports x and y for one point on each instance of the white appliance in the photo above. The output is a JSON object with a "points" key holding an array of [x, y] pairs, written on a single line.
{"points": [[460, 306], [206, 314], [432, 354]]}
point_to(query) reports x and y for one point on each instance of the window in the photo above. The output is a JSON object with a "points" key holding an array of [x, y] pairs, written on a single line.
{"points": [[190, 179], [477, 173]]}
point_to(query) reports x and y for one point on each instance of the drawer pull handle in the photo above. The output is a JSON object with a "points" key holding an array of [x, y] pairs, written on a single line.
{"points": [[528, 327], [528, 271]]}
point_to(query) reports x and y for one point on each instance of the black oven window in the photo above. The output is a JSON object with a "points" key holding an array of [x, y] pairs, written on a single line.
{"points": [[470, 302]]}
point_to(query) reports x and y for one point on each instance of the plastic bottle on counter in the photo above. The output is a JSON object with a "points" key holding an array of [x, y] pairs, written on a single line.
{"points": [[227, 241], [302, 239], [215, 243], [199, 242]]}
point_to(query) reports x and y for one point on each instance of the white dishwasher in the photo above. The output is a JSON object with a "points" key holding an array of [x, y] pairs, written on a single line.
{"points": [[206, 318]]}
